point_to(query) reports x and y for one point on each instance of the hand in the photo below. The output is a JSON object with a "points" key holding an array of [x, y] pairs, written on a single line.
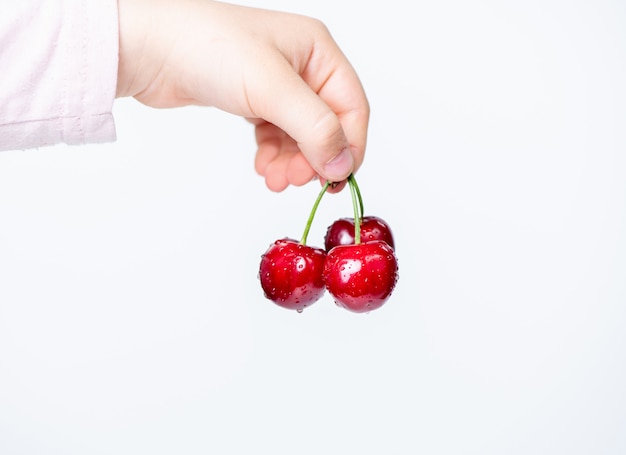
{"points": [[283, 72]]}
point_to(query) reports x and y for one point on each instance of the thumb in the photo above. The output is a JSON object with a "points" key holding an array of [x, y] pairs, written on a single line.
{"points": [[287, 101]]}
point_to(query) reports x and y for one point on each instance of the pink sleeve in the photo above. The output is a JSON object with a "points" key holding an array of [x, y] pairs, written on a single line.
{"points": [[58, 72]]}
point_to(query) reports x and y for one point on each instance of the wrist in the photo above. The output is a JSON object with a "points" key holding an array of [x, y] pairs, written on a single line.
{"points": [[132, 22]]}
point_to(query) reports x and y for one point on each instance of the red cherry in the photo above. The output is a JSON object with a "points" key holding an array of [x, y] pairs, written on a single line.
{"points": [[291, 274], [361, 277], [341, 232]]}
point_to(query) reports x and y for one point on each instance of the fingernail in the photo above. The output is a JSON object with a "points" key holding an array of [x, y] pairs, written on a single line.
{"points": [[340, 166]]}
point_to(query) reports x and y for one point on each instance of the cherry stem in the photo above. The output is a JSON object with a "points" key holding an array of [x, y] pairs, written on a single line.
{"points": [[357, 204], [312, 215], [352, 179]]}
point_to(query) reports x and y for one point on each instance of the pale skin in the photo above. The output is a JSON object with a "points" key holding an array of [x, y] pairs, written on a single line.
{"points": [[281, 71]]}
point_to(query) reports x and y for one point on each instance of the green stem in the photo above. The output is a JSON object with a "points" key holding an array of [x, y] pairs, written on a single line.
{"points": [[355, 206], [312, 215], [352, 178]]}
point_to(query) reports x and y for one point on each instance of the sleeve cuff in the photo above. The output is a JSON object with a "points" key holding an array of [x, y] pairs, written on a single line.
{"points": [[61, 61], [93, 55]]}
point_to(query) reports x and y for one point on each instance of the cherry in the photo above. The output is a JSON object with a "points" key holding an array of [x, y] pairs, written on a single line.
{"points": [[291, 274], [361, 277], [341, 232]]}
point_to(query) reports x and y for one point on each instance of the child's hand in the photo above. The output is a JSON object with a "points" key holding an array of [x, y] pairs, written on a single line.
{"points": [[283, 72]]}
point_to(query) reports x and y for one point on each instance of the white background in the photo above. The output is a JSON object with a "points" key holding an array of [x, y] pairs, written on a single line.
{"points": [[132, 320]]}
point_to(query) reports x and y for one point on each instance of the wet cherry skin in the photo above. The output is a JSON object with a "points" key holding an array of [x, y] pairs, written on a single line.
{"points": [[341, 232], [291, 274], [362, 277]]}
